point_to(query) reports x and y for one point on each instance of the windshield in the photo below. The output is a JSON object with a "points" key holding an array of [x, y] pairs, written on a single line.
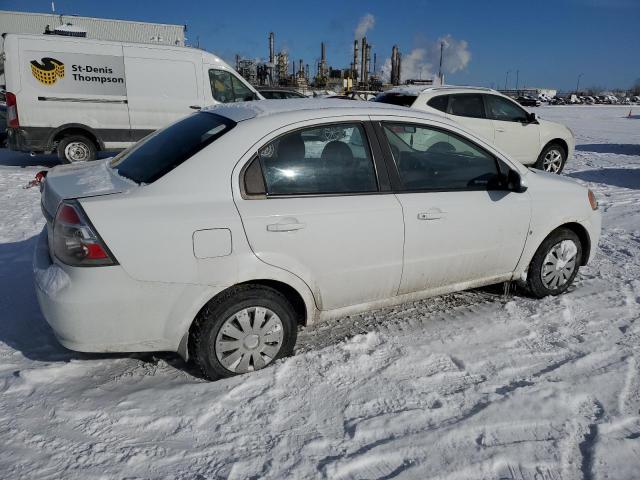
{"points": [[402, 99], [157, 154]]}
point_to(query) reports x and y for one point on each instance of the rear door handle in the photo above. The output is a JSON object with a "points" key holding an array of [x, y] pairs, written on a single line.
{"points": [[433, 214], [195, 107], [499, 129], [288, 225]]}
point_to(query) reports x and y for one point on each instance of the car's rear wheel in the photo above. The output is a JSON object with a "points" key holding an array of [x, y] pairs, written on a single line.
{"points": [[243, 330], [76, 149], [555, 264], [552, 158]]}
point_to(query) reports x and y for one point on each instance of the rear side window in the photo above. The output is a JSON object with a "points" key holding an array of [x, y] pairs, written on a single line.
{"points": [[402, 99], [439, 103], [162, 151], [433, 159], [466, 105], [320, 160], [227, 88]]}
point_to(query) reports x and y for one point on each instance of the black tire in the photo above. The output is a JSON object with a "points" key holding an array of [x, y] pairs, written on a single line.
{"points": [[535, 284], [202, 340], [549, 148], [85, 145]]}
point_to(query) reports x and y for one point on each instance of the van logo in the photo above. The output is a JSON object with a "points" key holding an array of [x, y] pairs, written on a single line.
{"points": [[48, 71]]}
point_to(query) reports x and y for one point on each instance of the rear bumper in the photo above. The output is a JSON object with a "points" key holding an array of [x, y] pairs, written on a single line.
{"points": [[29, 139], [102, 309]]}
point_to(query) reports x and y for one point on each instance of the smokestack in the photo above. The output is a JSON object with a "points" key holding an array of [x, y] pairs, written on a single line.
{"points": [[272, 57], [394, 65], [375, 59], [237, 62], [323, 56], [367, 64], [306, 72], [363, 61], [399, 76], [355, 61]]}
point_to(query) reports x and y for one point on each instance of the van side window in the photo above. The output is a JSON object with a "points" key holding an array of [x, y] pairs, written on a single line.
{"points": [[327, 159], [504, 110], [439, 103], [227, 88]]}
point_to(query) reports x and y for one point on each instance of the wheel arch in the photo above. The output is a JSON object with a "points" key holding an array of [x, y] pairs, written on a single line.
{"points": [[557, 141], [583, 236], [304, 310], [75, 129]]}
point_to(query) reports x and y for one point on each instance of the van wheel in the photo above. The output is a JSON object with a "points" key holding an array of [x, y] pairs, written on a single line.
{"points": [[552, 158], [76, 149], [555, 264], [243, 330]]}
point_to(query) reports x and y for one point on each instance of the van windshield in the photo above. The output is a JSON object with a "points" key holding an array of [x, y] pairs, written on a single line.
{"points": [[160, 152]]}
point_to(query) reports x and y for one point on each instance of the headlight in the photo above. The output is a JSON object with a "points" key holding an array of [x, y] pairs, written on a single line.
{"points": [[592, 200]]}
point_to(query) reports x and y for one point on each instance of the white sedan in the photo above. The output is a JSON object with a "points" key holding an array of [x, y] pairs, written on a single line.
{"points": [[220, 234]]}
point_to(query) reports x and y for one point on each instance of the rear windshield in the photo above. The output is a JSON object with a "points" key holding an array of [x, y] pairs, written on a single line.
{"points": [[402, 99], [157, 154]]}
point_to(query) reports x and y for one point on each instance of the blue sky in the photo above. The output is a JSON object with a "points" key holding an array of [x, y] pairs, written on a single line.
{"points": [[549, 42]]}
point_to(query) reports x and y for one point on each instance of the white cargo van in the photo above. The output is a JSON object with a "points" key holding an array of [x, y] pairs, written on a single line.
{"points": [[77, 96]]}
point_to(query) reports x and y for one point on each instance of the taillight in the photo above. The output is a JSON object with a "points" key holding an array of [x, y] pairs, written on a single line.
{"points": [[75, 241], [12, 110]]}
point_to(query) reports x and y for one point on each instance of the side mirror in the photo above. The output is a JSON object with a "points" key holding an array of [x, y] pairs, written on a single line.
{"points": [[515, 182], [531, 117]]}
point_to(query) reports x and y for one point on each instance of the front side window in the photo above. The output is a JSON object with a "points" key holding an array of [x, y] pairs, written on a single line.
{"points": [[499, 108], [227, 88], [325, 159], [432, 159], [466, 105]]}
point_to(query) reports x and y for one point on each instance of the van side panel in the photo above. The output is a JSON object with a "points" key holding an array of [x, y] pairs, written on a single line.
{"points": [[162, 86], [71, 82]]}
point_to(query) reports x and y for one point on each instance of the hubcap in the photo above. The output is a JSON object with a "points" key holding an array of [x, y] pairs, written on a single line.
{"points": [[249, 339], [77, 152], [559, 264], [552, 161]]}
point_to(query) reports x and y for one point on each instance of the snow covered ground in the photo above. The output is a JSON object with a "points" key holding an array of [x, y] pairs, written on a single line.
{"points": [[473, 385]]}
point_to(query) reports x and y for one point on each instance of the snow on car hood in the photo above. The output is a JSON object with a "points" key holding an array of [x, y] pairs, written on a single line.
{"points": [[81, 180]]}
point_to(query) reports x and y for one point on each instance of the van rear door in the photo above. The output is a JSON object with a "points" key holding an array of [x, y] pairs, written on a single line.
{"points": [[163, 85]]}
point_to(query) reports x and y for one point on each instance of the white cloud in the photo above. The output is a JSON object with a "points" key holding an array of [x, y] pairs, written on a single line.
{"points": [[365, 24]]}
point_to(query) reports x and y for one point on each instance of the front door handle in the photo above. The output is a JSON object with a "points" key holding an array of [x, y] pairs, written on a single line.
{"points": [[432, 214], [499, 129], [286, 225], [195, 107]]}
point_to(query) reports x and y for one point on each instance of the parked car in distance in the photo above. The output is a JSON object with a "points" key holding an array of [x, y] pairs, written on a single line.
{"points": [[77, 96], [279, 93], [557, 101], [496, 118], [310, 210], [527, 101]]}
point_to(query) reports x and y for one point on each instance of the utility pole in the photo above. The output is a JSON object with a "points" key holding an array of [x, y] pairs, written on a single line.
{"points": [[506, 79], [440, 69], [578, 83]]}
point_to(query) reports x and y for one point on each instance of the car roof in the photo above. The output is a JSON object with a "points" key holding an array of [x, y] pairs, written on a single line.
{"points": [[242, 111], [418, 89]]}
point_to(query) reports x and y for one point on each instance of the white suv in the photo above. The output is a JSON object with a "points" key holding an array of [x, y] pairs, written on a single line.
{"points": [[497, 118], [217, 236]]}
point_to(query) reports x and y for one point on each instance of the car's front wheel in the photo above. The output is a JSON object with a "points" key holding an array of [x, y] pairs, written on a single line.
{"points": [[243, 330], [552, 158], [555, 264]]}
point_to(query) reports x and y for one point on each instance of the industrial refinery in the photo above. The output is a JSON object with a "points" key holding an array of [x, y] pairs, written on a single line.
{"points": [[362, 75]]}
